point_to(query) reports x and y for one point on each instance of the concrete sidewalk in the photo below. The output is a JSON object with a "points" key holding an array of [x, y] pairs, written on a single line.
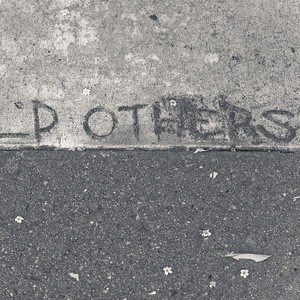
{"points": [[149, 225], [136, 73]]}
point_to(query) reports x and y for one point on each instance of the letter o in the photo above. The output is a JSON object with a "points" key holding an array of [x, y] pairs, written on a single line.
{"points": [[87, 127]]}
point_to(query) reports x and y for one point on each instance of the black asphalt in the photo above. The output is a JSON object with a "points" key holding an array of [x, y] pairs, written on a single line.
{"points": [[117, 219]]}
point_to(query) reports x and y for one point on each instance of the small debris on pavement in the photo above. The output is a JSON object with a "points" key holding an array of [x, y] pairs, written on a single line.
{"points": [[167, 270], [19, 219], [250, 256], [206, 233], [152, 293], [212, 284], [19, 105], [296, 197], [200, 150], [74, 275], [213, 175], [104, 154], [244, 273]]}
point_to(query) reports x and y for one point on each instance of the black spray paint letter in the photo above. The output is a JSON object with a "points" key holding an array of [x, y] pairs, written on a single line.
{"points": [[162, 124], [238, 120], [87, 127], [38, 130], [211, 116], [134, 108], [269, 115]]}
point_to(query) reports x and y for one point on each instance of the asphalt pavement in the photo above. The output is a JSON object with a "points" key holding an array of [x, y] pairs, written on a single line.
{"points": [[134, 225]]}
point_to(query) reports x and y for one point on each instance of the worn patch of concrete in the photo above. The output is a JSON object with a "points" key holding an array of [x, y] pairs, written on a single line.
{"points": [[149, 73]]}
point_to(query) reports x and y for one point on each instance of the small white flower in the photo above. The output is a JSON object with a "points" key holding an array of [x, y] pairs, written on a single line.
{"points": [[244, 273], [173, 103], [86, 92], [206, 233], [19, 219], [212, 284], [167, 270], [65, 12]]}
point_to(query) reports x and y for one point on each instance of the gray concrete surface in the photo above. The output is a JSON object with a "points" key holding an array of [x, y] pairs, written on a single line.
{"points": [[106, 225], [93, 74]]}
